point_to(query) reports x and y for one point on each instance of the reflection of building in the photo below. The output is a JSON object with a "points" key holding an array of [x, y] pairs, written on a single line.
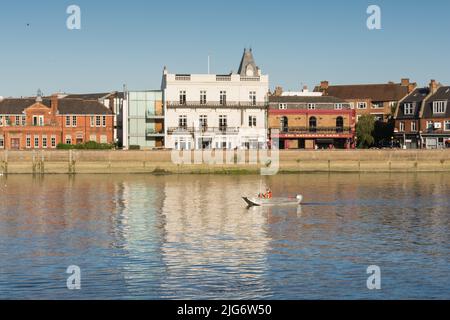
{"points": [[143, 123], [207, 238], [43, 123], [375, 99], [206, 111], [307, 121]]}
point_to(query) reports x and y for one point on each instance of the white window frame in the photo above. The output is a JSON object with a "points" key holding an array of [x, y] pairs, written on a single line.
{"points": [[98, 121], [182, 121], [44, 142], [439, 107], [430, 125], [203, 97], [361, 105], [36, 139], [104, 121], [2, 142], [68, 139], [103, 138], [447, 123], [183, 97], [252, 121], [401, 126], [311, 106], [68, 122], [53, 141], [92, 121], [282, 106], [223, 98], [338, 106], [74, 121], [413, 126], [28, 141], [252, 97], [408, 109]]}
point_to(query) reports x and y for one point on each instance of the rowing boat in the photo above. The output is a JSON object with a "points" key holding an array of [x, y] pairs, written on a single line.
{"points": [[259, 202]]}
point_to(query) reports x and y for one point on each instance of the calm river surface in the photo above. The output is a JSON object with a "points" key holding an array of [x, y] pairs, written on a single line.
{"points": [[191, 237]]}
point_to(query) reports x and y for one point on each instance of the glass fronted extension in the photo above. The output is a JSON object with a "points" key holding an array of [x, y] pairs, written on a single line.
{"points": [[145, 119]]}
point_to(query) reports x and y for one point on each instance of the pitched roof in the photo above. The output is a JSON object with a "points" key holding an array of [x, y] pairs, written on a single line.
{"points": [[247, 59], [375, 92], [442, 94], [416, 98], [93, 96], [65, 106]]}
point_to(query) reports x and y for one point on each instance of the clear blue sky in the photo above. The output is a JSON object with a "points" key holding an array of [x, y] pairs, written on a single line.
{"points": [[294, 41]]}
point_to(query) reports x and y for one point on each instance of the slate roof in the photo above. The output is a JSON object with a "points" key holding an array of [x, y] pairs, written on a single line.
{"points": [[93, 96], [442, 94], [375, 92], [247, 59], [416, 98], [65, 106]]}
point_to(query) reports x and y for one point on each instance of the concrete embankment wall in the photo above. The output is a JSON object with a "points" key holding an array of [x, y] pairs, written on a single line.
{"points": [[161, 162]]}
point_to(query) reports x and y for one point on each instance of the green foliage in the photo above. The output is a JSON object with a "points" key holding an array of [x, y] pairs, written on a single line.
{"points": [[134, 147], [91, 145], [364, 131]]}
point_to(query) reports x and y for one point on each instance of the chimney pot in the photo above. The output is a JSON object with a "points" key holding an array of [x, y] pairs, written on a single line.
{"points": [[405, 82]]}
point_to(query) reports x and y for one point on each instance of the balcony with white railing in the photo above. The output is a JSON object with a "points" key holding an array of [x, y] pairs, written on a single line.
{"points": [[203, 130], [217, 104]]}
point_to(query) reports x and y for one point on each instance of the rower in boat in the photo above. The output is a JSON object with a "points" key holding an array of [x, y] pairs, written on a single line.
{"points": [[267, 195]]}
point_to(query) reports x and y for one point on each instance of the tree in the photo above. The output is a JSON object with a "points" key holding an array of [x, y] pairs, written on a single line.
{"points": [[364, 131]]}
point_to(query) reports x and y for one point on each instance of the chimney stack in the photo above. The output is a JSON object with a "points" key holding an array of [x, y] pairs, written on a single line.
{"points": [[54, 105], [278, 91], [433, 86], [324, 85], [405, 82]]}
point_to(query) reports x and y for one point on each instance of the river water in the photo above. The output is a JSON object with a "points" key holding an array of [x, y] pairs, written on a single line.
{"points": [[191, 237]]}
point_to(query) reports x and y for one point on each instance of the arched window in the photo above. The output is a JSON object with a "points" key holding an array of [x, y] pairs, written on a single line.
{"points": [[284, 124], [339, 124], [313, 124]]}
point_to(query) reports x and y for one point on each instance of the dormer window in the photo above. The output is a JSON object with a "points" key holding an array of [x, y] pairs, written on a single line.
{"points": [[439, 106], [38, 121], [409, 109]]}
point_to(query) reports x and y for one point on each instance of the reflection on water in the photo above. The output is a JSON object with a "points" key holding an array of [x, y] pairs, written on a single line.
{"points": [[191, 237]]}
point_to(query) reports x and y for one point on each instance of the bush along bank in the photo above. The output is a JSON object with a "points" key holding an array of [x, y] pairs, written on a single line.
{"points": [[91, 145]]}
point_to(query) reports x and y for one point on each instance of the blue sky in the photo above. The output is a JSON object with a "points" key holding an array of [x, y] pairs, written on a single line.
{"points": [[295, 42]]}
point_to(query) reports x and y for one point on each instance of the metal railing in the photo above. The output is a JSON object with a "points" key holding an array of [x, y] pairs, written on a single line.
{"points": [[192, 130], [198, 104]]}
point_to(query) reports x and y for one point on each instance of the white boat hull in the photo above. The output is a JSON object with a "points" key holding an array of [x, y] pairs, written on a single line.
{"points": [[261, 202]]}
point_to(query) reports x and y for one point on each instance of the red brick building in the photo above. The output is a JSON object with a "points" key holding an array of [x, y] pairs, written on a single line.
{"points": [[311, 122], [43, 123]]}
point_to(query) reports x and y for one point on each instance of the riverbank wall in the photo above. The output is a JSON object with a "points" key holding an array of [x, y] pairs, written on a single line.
{"points": [[234, 162]]}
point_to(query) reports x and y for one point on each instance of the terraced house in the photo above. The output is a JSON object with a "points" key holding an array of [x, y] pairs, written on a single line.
{"points": [[379, 100], [310, 121], [43, 123]]}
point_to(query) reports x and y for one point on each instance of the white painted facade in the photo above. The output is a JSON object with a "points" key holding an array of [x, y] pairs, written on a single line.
{"points": [[205, 111]]}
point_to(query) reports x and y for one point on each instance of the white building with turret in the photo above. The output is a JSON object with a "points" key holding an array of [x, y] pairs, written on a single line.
{"points": [[209, 111]]}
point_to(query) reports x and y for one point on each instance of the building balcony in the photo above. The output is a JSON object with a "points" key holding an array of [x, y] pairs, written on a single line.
{"points": [[203, 130], [314, 130], [154, 115], [217, 105], [154, 133]]}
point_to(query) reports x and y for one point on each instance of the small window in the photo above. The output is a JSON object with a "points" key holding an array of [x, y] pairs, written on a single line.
{"points": [[53, 142], [17, 122], [182, 121], [93, 138], [28, 141], [282, 106], [98, 120], [2, 142], [44, 142], [311, 106], [203, 97], [103, 139], [252, 96], [74, 121], [362, 105], [401, 126], [252, 121], [223, 98], [182, 97], [92, 121], [409, 109], [338, 106], [103, 121], [439, 106], [68, 140], [68, 121], [414, 126], [447, 125], [24, 121], [36, 141]]}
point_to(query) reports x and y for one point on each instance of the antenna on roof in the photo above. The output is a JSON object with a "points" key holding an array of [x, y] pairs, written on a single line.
{"points": [[209, 64]]}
